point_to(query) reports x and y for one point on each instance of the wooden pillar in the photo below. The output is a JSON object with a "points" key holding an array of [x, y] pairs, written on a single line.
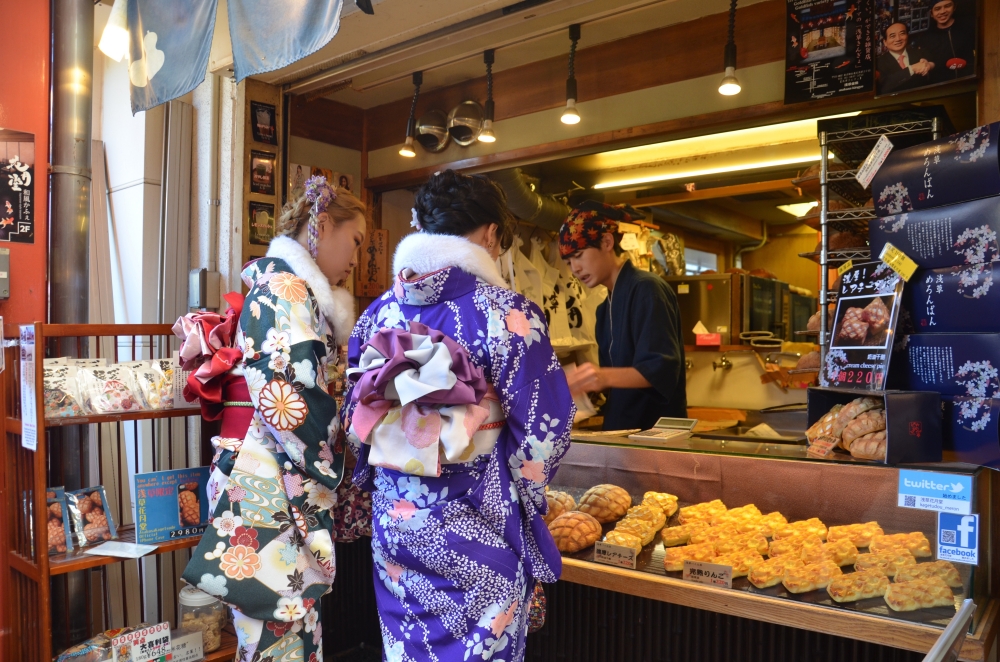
{"points": [[989, 79]]}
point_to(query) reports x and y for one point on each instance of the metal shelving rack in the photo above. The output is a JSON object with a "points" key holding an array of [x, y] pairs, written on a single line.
{"points": [[851, 146]]}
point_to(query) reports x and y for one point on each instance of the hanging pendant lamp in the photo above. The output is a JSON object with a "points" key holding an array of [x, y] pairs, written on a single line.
{"points": [[487, 135], [730, 85], [407, 148], [570, 115]]}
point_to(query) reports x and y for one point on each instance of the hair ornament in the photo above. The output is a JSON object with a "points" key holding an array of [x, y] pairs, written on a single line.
{"points": [[320, 193], [415, 221]]}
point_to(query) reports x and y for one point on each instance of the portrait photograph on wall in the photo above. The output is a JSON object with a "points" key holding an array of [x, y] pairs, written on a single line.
{"points": [[344, 180], [297, 176], [262, 172], [922, 43]]}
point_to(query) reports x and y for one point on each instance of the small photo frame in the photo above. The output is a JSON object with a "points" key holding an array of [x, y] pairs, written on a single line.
{"points": [[344, 181], [260, 223], [262, 123], [262, 172]]}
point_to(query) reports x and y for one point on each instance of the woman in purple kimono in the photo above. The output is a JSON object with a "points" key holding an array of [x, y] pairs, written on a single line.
{"points": [[459, 413]]}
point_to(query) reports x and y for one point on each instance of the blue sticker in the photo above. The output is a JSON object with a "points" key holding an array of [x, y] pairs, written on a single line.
{"points": [[958, 538], [945, 493]]}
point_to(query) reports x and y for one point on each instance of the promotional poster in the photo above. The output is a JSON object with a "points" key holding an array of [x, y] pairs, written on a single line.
{"points": [[17, 187], [262, 123], [829, 49], [261, 223], [262, 172]]}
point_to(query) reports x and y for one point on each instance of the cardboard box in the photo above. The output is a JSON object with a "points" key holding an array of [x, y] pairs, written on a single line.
{"points": [[912, 419], [955, 364], [953, 236], [972, 430], [959, 168], [955, 299]]}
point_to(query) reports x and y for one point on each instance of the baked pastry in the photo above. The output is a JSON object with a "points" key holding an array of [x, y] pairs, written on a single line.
{"points": [[853, 328], [858, 586], [839, 241], [870, 447], [681, 535], [701, 512], [772, 571], [624, 540], [888, 561], [754, 541], [859, 534], [842, 552], [745, 513], [714, 534], [809, 361], [919, 594], [673, 558], [824, 426], [559, 503], [637, 527], [666, 502], [872, 420], [943, 570], [740, 561], [877, 315], [810, 577], [649, 512], [812, 526], [574, 531], [916, 542], [852, 410], [605, 503], [768, 523], [793, 545]]}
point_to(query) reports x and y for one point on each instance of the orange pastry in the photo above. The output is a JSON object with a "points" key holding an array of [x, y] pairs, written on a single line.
{"points": [[916, 542], [673, 558], [919, 594], [812, 526], [772, 571], [681, 535], [702, 512], [810, 577], [859, 534], [858, 586], [943, 570], [888, 561]]}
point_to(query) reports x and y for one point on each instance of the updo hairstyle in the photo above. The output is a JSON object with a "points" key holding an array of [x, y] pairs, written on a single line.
{"points": [[295, 214], [456, 204]]}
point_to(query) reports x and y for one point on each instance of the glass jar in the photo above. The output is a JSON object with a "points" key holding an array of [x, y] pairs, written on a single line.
{"points": [[200, 612]]}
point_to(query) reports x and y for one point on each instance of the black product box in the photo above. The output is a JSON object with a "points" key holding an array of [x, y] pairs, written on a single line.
{"points": [[955, 364], [957, 235], [912, 420], [972, 430], [955, 299], [962, 167]]}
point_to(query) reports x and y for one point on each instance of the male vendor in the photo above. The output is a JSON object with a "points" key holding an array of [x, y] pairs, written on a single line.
{"points": [[638, 327]]}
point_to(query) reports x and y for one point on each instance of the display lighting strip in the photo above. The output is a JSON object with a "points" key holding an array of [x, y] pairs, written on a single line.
{"points": [[691, 174]]}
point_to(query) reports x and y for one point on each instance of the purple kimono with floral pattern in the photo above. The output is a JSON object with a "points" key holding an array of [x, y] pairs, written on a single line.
{"points": [[457, 556]]}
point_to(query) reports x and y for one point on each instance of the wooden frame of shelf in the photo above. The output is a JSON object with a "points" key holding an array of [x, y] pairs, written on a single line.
{"points": [[842, 623], [60, 564]]}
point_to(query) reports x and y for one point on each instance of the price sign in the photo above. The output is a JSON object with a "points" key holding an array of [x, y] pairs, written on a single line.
{"points": [[898, 261], [712, 574], [873, 162], [845, 267], [29, 404], [616, 555], [822, 447]]}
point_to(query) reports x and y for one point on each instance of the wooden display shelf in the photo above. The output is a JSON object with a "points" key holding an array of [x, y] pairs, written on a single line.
{"points": [[842, 623], [227, 651], [123, 417], [60, 564]]}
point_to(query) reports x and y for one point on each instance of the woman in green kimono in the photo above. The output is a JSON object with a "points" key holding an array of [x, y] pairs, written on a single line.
{"points": [[268, 552]]}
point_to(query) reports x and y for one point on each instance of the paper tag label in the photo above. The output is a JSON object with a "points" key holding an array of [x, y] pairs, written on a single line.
{"points": [[822, 446], [711, 574], [898, 261], [958, 538], [874, 161], [150, 644], [629, 242], [616, 555], [845, 267], [926, 490], [187, 647], [683, 288], [29, 411]]}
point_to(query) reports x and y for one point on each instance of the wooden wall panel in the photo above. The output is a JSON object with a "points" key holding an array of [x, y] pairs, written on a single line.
{"points": [[658, 57], [328, 122], [989, 76]]}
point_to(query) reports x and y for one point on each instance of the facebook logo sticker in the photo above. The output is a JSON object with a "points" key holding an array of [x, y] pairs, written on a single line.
{"points": [[958, 538]]}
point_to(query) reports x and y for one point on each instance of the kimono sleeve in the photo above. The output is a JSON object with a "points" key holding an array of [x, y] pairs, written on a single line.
{"points": [[284, 358], [655, 325], [536, 401]]}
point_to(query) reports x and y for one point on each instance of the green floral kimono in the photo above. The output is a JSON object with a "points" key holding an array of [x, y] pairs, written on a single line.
{"points": [[269, 551]]}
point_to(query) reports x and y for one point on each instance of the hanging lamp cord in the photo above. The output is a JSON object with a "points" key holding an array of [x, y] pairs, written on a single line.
{"points": [[489, 80], [413, 105], [732, 22], [572, 58]]}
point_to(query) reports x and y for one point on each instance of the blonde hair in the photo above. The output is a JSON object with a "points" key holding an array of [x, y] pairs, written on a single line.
{"points": [[295, 214]]}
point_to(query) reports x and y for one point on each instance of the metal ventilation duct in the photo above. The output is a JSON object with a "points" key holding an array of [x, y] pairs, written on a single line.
{"points": [[528, 205]]}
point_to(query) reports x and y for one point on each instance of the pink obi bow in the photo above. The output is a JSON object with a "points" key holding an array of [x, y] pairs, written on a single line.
{"points": [[208, 349]]}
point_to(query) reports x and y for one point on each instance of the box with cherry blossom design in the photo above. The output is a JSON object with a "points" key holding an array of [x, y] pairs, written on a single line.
{"points": [[954, 364], [959, 168], [954, 299], [954, 236], [972, 430]]}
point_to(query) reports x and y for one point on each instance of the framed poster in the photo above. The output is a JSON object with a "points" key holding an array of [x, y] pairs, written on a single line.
{"points": [[262, 123], [344, 181], [921, 43], [261, 223], [17, 187], [829, 48], [262, 172], [371, 278]]}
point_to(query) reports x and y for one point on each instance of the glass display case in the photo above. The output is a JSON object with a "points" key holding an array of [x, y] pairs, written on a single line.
{"points": [[778, 477]]}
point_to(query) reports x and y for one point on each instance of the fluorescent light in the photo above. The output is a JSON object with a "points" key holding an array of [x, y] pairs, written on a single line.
{"points": [[798, 209], [114, 39], [690, 174]]}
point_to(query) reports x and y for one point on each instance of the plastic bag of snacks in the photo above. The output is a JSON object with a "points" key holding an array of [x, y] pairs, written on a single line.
{"points": [[88, 363], [92, 521], [108, 390], [59, 536], [62, 392], [157, 388], [97, 648]]}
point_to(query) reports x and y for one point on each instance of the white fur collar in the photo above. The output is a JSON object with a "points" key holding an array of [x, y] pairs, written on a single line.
{"points": [[336, 303], [424, 252]]}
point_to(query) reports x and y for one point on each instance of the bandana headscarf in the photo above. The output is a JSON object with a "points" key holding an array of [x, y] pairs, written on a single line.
{"points": [[588, 221]]}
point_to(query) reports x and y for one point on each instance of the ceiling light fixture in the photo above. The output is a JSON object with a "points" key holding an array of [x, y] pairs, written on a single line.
{"points": [[691, 174], [730, 85], [114, 39], [407, 148], [570, 116], [798, 209], [487, 135]]}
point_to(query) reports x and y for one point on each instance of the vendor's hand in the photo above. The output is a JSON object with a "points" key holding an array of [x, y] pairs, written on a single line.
{"points": [[586, 379]]}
